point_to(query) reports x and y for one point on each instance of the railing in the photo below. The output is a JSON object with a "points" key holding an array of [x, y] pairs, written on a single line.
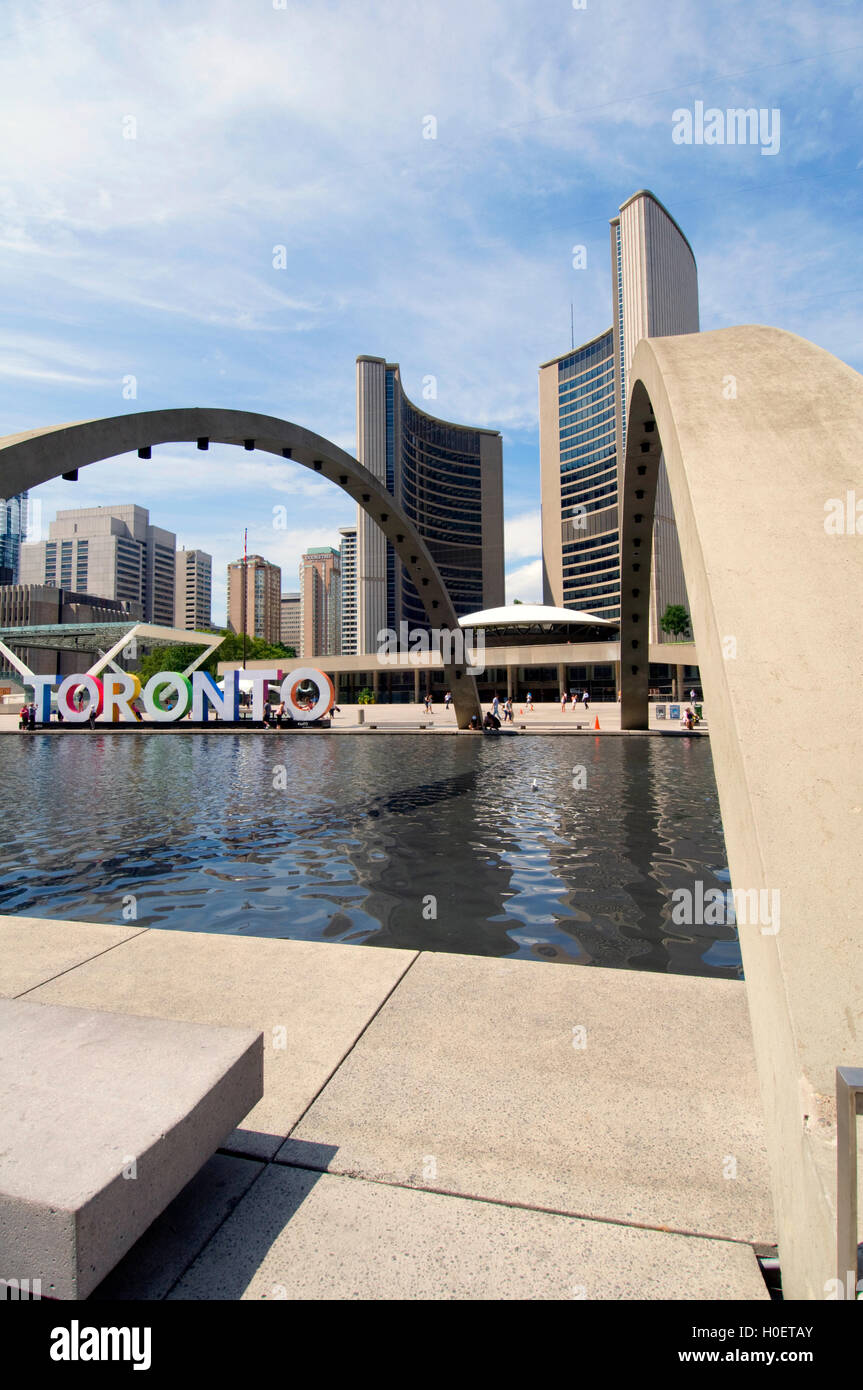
{"points": [[849, 1104]]}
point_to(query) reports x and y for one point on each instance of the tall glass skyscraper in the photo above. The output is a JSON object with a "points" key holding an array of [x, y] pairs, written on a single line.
{"points": [[582, 406], [13, 533], [449, 480]]}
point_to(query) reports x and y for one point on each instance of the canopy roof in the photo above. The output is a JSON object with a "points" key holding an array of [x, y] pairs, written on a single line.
{"points": [[534, 615]]}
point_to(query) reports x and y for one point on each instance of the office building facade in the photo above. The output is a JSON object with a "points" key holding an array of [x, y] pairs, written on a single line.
{"points": [[41, 605], [291, 627], [254, 598], [109, 552], [13, 533], [449, 480], [348, 567], [320, 602], [193, 592], [582, 408]]}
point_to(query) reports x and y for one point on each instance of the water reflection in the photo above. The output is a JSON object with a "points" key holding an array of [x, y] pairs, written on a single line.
{"points": [[421, 842]]}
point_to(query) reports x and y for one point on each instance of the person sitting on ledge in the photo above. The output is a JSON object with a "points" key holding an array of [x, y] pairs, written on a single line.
{"points": [[491, 721], [474, 722]]}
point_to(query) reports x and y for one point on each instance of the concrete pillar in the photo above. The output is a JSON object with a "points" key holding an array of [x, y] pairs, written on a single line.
{"points": [[376, 683], [509, 682], [416, 685], [561, 678], [680, 683], [617, 680]]}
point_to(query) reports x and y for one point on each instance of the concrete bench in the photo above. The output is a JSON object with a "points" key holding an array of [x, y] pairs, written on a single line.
{"points": [[104, 1118]]}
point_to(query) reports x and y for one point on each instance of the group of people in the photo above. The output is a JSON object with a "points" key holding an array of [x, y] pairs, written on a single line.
{"points": [[574, 701], [27, 717]]}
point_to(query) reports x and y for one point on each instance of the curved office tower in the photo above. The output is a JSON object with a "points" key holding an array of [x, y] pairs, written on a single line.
{"points": [[582, 404], [449, 479]]}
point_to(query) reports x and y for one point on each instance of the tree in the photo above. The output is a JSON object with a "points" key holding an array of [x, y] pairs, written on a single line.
{"points": [[177, 658], [675, 621]]}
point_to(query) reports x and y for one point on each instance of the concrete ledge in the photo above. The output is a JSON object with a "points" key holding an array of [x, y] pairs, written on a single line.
{"points": [[105, 1118]]}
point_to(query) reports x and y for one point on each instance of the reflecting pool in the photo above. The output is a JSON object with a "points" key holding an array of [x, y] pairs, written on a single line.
{"points": [[541, 847]]}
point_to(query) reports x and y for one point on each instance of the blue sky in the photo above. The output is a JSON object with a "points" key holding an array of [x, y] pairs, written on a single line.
{"points": [[301, 126]]}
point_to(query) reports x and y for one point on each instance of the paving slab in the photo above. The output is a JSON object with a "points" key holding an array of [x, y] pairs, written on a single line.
{"points": [[303, 1235], [106, 1118], [168, 1247], [311, 1000], [617, 1094], [35, 949]]}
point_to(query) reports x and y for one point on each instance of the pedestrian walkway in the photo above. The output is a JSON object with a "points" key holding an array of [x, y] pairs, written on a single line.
{"points": [[440, 1126]]}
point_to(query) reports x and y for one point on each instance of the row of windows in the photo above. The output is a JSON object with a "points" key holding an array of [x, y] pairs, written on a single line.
{"points": [[599, 553], [594, 544], [595, 566], [588, 494], [425, 493], [464, 474], [573, 390], [573, 457], [576, 361], [585, 407], [609, 590], [598, 424], [604, 472], [445, 440]]}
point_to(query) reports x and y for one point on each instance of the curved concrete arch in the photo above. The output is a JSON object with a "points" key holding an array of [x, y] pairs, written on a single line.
{"points": [[761, 433], [28, 459]]}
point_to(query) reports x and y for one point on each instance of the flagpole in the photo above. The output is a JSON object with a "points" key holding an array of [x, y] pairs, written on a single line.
{"points": [[245, 588]]}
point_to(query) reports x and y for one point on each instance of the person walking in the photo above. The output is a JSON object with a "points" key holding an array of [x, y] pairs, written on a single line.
{"points": [[32, 717], [447, 700], [563, 702], [529, 701], [586, 700], [507, 710], [573, 704], [495, 706]]}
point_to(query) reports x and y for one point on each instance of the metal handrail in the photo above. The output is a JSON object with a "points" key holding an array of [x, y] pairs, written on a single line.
{"points": [[849, 1104]]}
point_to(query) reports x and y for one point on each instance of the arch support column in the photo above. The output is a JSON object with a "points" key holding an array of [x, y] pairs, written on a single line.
{"points": [[761, 434]]}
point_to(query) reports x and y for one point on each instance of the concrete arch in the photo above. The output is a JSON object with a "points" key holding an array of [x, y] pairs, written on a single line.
{"points": [[761, 433], [28, 459]]}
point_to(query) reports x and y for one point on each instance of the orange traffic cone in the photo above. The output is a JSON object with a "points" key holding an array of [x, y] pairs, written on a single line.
{"points": [[596, 722], [521, 711]]}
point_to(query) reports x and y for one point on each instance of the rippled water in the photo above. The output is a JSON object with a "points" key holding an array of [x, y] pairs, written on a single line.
{"points": [[372, 835]]}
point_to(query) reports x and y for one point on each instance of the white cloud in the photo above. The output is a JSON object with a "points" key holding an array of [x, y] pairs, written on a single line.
{"points": [[525, 583], [522, 536]]}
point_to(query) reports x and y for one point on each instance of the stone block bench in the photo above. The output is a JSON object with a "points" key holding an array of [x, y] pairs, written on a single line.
{"points": [[104, 1118]]}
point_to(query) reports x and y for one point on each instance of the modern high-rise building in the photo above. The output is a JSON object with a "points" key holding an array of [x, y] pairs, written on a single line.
{"points": [[194, 590], [320, 602], [449, 480], [582, 413], [13, 532], [348, 566], [109, 552], [291, 623], [254, 606]]}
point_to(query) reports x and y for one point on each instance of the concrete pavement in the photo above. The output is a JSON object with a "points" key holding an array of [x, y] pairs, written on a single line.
{"points": [[438, 1126]]}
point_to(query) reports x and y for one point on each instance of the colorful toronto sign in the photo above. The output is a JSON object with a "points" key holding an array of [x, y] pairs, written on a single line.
{"points": [[113, 697]]}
